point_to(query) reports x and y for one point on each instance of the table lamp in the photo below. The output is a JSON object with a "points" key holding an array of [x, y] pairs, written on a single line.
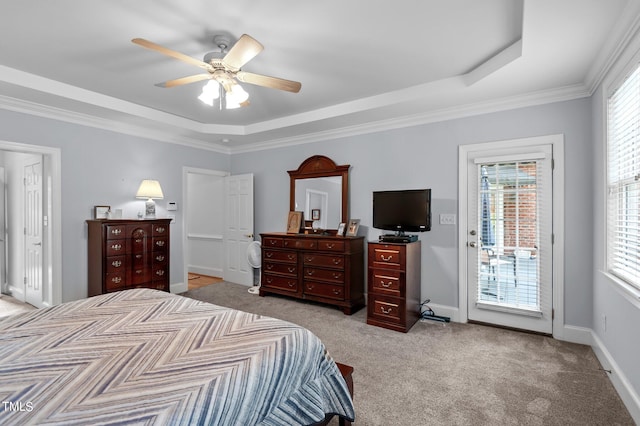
{"points": [[150, 190]]}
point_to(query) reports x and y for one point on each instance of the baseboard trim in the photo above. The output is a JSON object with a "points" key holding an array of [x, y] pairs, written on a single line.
{"points": [[574, 334], [628, 395], [177, 288], [205, 270], [445, 311]]}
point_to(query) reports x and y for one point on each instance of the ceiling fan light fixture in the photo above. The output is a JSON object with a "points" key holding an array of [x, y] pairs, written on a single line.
{"points": [[236, 96], [210, 92]]}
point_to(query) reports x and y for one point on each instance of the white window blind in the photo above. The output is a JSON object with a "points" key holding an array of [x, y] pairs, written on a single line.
{"points": [[623, 215]]}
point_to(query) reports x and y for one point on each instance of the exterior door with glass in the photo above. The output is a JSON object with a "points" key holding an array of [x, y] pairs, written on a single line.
{"points": [[509, 241]]}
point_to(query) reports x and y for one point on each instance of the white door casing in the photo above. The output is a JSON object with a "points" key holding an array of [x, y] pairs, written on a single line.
{"points": [[480, 277], [238, 228]]}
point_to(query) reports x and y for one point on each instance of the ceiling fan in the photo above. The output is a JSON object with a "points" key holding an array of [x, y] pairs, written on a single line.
{"points": [[225, 69]]}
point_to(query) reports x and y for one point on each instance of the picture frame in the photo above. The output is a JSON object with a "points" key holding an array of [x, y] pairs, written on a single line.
{"points": [[341, 229], [294, 221], [352, 228], [101, 212], [315, 214]]}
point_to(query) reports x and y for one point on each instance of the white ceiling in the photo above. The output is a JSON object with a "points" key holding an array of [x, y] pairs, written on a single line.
{"points": [[364, 65]]}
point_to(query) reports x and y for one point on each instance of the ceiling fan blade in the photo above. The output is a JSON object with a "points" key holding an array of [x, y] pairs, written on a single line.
{"points": [[266, 81], [177, 55], [245, 49], [185, 80]]}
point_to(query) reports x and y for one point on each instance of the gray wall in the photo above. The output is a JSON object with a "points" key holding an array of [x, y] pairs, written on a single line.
{"points": [[427, 156], [100, 167]]}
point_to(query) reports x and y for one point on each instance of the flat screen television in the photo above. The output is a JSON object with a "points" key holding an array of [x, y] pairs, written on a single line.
{"points": [[402, 211]]}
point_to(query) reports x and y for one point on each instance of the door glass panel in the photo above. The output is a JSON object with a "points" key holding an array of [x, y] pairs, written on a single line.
{"points": [[508, 272]]}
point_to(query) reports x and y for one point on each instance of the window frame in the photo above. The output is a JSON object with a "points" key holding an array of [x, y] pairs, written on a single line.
{"points": [[617, 188]]}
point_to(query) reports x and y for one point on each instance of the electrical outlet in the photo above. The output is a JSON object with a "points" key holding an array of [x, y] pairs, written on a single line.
{"points": [[448, 219]]}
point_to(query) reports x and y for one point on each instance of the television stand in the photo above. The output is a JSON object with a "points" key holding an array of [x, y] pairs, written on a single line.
{"points": [[397, 238]]}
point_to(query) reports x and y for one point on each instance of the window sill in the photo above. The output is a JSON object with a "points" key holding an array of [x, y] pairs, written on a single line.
{"points": [[628, 291]]}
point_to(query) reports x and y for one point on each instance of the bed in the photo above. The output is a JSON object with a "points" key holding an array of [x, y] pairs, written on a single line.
{"points": [[148, 357]]}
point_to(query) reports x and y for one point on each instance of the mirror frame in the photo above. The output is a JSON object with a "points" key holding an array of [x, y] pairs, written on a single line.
{"points": [[320, 166]]}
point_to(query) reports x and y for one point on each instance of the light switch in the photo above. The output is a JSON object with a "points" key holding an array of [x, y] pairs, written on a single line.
{"points": [[448, 219]]}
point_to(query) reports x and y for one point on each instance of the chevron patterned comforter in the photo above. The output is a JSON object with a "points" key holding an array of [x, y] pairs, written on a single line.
{"points": [[148, 357]]}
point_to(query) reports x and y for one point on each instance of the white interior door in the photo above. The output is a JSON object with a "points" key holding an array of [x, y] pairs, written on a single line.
{"points": [[33, 233], [509, 237], [238, 228]]}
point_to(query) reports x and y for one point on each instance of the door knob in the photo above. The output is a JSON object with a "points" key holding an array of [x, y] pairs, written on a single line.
{"points": [[473, 244], [472, 232]]}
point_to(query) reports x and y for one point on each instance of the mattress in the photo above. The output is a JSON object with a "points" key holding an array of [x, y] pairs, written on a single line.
{"points": [[148, 357]]}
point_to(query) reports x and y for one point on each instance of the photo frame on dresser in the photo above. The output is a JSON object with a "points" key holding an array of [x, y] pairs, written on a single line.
{"points": [[101, 212], [294, 221], [352, 227], [341, 227]]}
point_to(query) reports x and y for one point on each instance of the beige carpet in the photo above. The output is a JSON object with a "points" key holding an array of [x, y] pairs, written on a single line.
{"points": [[10, 306], [449, 374]]}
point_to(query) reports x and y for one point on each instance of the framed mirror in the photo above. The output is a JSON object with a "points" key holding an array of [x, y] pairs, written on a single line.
{"points": [[320, 188]]}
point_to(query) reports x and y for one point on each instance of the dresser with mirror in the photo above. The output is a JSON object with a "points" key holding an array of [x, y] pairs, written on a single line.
{"points": [[315, 263]]}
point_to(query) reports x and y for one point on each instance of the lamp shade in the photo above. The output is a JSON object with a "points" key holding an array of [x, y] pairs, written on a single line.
{"points": [[150, 189]]}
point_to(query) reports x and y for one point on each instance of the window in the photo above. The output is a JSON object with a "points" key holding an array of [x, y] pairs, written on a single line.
{"points": [[623, 180]]}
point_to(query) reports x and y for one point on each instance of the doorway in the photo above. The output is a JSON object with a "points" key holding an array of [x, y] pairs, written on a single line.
{"points": [[44, 229], [507, 200]]}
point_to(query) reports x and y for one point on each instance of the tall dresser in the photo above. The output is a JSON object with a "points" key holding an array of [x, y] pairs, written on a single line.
{"points": [[322, 268], [128, 253], [394, 285]]}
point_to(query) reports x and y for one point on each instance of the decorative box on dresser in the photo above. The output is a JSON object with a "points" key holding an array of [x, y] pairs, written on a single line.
{"points": [[322, 268], [128, 253], [393, 285]]}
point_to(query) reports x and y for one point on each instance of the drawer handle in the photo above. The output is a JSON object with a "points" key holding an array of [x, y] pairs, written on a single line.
{"points": [[116, 231], [291, 269], [292, 284], [330, 245], [116, 246], [337, 275], [337, 261], [269, 280], [269, 266], [310, 286], [160, 258], [272, 242], [308, 259], [310, 272], [116, 263], [138, 256], [160, 272], [269, 254], [138, 240], [385, 311], [160, 243], [386, 259], [160, 229], [385, 285], [290, 256], [336, 291], [138, 271], [116, 280]]}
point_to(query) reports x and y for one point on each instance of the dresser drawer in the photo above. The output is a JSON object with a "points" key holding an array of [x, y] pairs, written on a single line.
{"points": [[303, 244], [160, 273], [385, 282], [331, 291], [327, 260], [280, 256], [115, 263], [282, 283], [115, 247], [386, 309], [160, 243], [281, 268], [331, 245], [387, 257], [115, 231], [115, 281], [160, 230], [272, 242], [324, 275], [140, 275]]}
